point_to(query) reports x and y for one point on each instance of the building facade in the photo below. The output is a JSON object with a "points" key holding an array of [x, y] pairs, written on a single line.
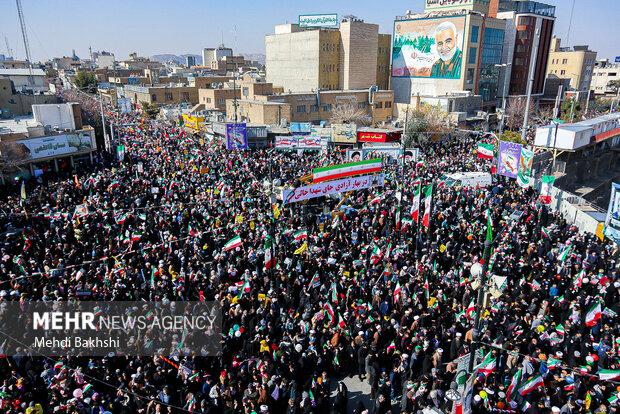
{"points": [[161, 95], [606, 78], [352, 56], [528, 24], [215, 99], [576, 63]]}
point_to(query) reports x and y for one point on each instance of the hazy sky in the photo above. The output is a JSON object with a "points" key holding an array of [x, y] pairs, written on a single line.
{"points": [[186, 26]]}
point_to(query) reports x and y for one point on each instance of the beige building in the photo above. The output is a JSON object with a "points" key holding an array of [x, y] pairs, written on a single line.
{"points": [[306, 59], [383, 61], [311, 107], [162, 94], [216, 98], [576, 64], [604, 74], [13, 103], [208, 82]]}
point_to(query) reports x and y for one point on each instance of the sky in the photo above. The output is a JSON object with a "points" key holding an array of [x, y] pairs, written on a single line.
{"points": [[149, 27]]}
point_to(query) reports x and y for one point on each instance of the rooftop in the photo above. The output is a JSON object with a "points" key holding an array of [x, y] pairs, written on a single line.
{"points": [[21, 72], [17, 125]]}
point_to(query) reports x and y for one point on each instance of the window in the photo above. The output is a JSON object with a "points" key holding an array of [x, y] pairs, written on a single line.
{"points": [[562, 72], [327, 108], [522, 34], [388, 104], [208, 100], [379, 105], [246, 91], [314, 108], [520, 48], [470, 76], [154, 98], [221, 101], [518, 61], [564, 61], [301, 109], [185, 96], [474, 34], [610, 74], [168, 96], [471, 59], [362, 105]]}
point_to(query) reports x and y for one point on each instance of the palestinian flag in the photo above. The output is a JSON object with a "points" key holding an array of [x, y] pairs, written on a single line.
{"points": [[349, 169], [531, 385], [300, 235], [428, 194], [270, 262], [545, 189], [233, 243], [593, 315], [485, 151], [415, 207], [514, 384], [488, 365]]}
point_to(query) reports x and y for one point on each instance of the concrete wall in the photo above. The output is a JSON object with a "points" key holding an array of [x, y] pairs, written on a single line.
{"points": [[358, 57], [292, 60], [384, 50]]}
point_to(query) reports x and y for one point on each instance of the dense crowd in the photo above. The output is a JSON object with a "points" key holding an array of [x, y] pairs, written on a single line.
{"points": [[368, 292]]}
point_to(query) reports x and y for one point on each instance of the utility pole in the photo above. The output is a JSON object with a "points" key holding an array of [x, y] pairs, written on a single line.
{"points": [[558, 102], [105, 134], [22, 23], [530, 85], [479, 303]]}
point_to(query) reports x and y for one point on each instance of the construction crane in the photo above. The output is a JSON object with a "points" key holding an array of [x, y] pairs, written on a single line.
{"points": [[22, 23]]}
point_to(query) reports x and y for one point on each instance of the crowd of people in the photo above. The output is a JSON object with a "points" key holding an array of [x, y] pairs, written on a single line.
{"points": [[359, 288]]}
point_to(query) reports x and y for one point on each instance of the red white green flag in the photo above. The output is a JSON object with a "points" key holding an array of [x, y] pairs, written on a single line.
{"points": [[270, 262], [301, 235], [531, 385], [488, 365], [428, 194], [349, 169], [593, 315], [545, 189], [514, 384], [232, 243], [485, 151], [471, 309], [415, 207], [609, 374]]}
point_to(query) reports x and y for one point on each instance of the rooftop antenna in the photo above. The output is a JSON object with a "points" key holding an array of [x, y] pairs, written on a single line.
{"points": [[570, 23], [8, 48]]}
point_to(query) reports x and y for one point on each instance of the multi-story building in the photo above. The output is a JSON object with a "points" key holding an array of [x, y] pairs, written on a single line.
{"points": [[312, 107], [606, 78], [451, 49], [162, 94], [215, 99], [211, 56], [529, 24], [352, 56], [190, 61], [208, 82], [26, 79], [15, 103], [136, 62], [104, 59], [576, 63]]}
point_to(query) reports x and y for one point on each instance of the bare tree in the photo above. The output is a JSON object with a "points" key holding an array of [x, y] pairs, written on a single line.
{"points": [[12, 156], [350, 113], [515, 112]]}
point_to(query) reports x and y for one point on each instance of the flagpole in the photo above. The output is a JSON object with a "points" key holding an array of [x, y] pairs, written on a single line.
{"points": [[481, 291], [417, 224], [430, 217]]}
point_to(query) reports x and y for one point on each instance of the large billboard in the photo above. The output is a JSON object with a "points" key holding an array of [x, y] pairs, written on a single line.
{"points": [[344, 133], [45, 147], [445, 4], [318, 20], [509, 159], [428, 48], [236, 137]]}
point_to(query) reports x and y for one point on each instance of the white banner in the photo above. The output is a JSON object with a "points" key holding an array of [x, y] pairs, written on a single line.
{"points": [[298, 142], [293, 195], [52, 146]]}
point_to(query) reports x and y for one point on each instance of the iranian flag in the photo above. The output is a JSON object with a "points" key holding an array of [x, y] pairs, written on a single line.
{"points": [[471, 309], [375, 255], [488, 365], [593, 315], [397, 291], [531, 385], [485, 151], [415, 207], [349, 169], [514, 383], [301, 235], [341, 323], [565, 253], [406, 222], [232, 243], [330, 312], [545, 189], [553, 363], [270, 262], [428, 194], [560, 330], [609, 374]]}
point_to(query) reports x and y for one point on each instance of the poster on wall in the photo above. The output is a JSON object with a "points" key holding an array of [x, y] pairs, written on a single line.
{"points": [[508, 159], [236, 137], [428, 48], [612, 222], [354, 155], [344, 133]]}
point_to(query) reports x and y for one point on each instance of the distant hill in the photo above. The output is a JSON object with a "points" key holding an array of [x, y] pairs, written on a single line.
{"points": [[180, 59]]}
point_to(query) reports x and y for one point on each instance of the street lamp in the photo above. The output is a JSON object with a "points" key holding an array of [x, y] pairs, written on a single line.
{"points": [[501, 124]]}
